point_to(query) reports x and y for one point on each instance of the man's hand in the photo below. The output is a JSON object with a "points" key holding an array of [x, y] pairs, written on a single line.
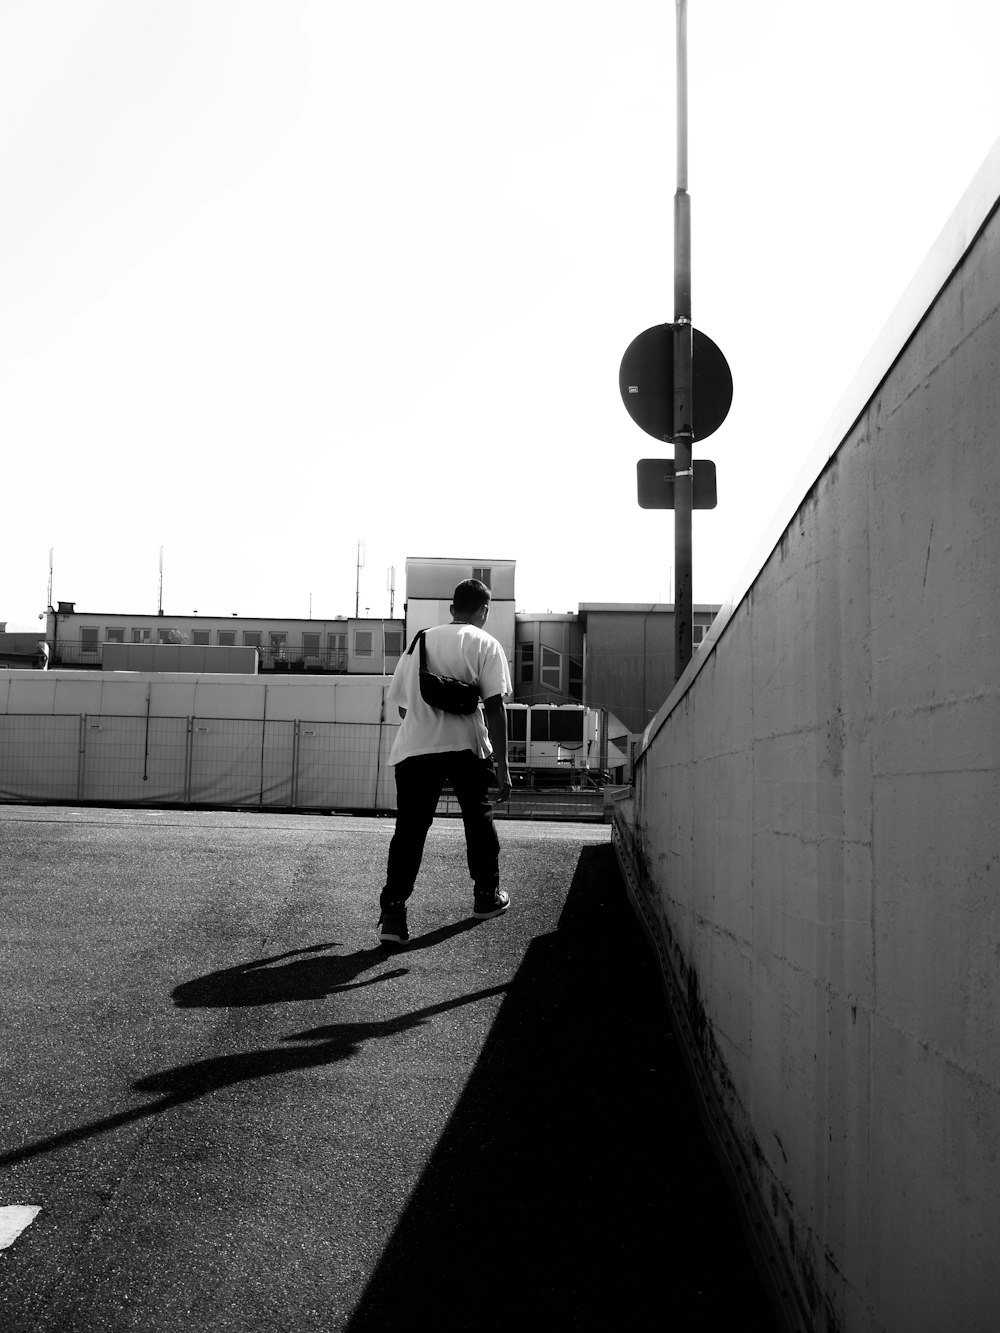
{"points": [[496, 725]]}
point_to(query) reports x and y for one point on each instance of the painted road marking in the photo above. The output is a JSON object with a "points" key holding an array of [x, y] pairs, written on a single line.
{"points": [[14, 1217]]}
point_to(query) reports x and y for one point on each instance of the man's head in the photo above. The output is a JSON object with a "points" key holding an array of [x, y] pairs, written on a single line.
{"points": [[472, 602]]}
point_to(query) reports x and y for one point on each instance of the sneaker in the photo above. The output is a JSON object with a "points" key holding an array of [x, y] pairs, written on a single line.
{"points": [[494, 904], [392, 926]]}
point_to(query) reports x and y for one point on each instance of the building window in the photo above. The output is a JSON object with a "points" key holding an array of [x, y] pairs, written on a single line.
{"points": [[88, 638], [201, 637], [551, 672], [576, 678], [337, 643], [142, 635], [276, 640], [393, 642], [227, 638], [484, 573], [362, 643], [310, 645], [163, 636], [526, 662], [114, 635], [253, 638], [698, 633]]}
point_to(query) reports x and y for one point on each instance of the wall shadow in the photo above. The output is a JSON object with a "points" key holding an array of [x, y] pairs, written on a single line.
{"points": [[574, 1185]]}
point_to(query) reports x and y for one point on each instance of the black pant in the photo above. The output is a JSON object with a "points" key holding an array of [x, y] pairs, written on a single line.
{"points": [[419, 781]]}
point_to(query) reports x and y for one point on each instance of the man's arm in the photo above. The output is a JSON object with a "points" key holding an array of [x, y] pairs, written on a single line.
{"points": [[496, 724]]}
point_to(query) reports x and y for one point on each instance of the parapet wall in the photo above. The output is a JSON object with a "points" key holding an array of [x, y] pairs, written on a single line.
{"points": [[815, 835]]}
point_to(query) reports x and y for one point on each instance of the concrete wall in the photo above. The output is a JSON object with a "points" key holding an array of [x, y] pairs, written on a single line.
{"points": [[815, 835]]}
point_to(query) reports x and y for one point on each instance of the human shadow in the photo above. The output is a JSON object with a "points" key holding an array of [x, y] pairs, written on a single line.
{"points": [[332, 1042], [187, 1082], [261, 982]]}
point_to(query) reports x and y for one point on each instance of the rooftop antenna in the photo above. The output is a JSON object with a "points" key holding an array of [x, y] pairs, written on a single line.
{"points": [[48, 604], [357, 585], [159, 604], [390, 583]]}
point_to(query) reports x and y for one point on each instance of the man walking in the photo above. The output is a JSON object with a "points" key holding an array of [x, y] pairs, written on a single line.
{"points": [[433, 746]]}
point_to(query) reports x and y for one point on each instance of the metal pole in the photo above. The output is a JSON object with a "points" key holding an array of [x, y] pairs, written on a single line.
{"points": [[81, 757], [188, 760], [683, 433], [296, 732]]}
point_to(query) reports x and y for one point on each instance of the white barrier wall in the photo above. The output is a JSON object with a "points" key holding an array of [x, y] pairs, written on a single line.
{"points": [[816, 836], [296, 741], [183, 694]]}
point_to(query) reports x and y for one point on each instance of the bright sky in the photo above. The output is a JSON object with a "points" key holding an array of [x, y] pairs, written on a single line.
{"points": [[281, 277]]}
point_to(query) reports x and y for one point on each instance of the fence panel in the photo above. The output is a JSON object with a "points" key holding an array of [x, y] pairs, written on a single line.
{"points": [[343, 764], [226, 761], [278, 759], [39, 757], [134, 759]]}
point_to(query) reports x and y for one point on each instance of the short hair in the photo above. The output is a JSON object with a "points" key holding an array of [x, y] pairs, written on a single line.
{"points": [[470, 595]]}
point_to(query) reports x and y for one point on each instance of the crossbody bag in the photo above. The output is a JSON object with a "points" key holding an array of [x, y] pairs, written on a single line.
{"points": [[444, 692]]}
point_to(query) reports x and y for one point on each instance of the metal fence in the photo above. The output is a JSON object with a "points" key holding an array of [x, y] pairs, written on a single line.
{"points": [[195, 761], [225, 762]]}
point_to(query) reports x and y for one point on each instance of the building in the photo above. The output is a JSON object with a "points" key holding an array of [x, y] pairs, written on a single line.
{"points": [[629, 657], [616, 657], [431, 584], [549, 658], [355, 645]]}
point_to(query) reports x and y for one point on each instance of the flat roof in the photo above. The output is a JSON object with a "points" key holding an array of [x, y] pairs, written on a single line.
{"points": [[208, 615], [459, 560], [708, 608]]}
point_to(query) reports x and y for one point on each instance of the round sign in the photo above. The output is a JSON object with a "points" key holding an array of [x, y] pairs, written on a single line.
{"points": [[646, 381]]}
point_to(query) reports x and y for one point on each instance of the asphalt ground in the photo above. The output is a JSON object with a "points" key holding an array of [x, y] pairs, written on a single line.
{"points": [[235, 1110]]}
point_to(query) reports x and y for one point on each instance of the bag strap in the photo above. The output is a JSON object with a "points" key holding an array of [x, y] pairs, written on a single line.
{"points": [[419, 638]]}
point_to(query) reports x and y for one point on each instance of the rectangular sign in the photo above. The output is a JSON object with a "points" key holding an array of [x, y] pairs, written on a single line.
{"points": [[655, 477]]}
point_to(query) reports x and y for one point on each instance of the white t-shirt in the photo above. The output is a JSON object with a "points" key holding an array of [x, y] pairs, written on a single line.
{"points": [[464, 652]]}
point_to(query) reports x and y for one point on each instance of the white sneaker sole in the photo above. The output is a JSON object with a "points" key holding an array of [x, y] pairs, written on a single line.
{"points": [[494, 911]]}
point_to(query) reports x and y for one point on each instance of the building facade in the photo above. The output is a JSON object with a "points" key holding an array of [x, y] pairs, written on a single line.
{"points": [[354, 645], [431, 584], [629, 657], [548, 658]]}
